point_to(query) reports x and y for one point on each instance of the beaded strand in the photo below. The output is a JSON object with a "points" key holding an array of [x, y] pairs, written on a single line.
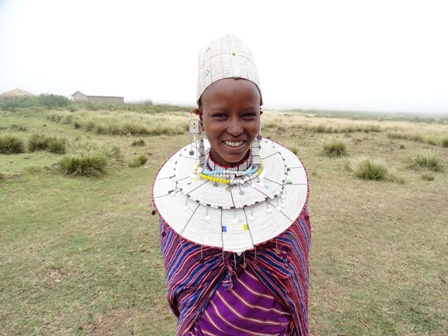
{"points": [[229, 176]]}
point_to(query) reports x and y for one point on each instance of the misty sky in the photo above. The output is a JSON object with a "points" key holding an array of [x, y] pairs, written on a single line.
{"points": [[342, 55]]}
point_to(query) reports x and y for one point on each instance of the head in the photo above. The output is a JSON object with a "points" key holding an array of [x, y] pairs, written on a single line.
{"points": [[229, 99], [229, 111]]}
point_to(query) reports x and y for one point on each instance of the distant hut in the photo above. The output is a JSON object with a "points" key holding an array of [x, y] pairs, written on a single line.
{"points": [[97, 97], [15, 93]]}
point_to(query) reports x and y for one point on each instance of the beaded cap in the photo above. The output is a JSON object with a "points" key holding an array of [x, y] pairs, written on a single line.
{"points": [[225, 57]]}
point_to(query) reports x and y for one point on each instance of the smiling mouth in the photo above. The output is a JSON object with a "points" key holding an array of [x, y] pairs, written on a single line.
{"points": [[234, 143]]}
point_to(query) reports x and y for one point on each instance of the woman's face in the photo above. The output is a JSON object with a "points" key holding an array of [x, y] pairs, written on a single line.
{"points": [[230, 118]]}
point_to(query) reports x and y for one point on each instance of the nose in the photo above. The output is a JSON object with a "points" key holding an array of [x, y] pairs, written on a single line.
{"points": [[235, 128]]}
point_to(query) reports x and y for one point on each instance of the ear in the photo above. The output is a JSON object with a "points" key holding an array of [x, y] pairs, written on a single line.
{"points": [[198, 112]]}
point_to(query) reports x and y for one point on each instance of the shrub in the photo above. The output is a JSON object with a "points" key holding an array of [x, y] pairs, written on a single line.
{"points": [[89, 159], [369, 169], [335, 147], [51, 101], [10, 144], [137, 162], [426, 159], [12, 104], [37, 142]]}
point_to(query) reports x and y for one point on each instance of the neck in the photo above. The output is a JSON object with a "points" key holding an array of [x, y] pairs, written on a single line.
{"points": [[240, 166]]}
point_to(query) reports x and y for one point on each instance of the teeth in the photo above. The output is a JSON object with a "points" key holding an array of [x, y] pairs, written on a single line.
{"points": [[233, 144]]}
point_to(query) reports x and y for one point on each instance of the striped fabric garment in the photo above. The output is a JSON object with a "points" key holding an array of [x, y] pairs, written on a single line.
{"points": [[246, 310], [201, 280]]}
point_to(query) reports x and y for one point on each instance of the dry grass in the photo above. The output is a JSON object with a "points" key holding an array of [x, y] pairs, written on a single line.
{"points": [[123, 122], [80, 256]]}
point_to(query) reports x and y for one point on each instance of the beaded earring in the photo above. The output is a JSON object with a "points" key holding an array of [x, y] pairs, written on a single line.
{"points": [[255, 149], [195, 131]]}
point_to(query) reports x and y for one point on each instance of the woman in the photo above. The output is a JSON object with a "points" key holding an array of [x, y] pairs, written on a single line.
{"points": [[235, 231]]}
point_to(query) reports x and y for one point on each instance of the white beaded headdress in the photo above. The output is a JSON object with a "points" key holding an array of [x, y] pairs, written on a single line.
{"points": [[225, 57]]}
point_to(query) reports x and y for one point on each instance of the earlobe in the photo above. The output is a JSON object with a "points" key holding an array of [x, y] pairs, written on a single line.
{"points": [[198, 112]]}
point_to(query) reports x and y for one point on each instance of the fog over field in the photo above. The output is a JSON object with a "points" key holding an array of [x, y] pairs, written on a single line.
{"points": [[387, 56]]}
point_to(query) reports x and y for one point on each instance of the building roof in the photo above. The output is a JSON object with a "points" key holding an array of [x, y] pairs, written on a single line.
{"points": [[98, 94], [16, 93]]}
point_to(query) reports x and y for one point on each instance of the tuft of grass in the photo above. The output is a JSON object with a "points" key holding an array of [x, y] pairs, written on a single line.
{"points": [[138, 143], [137, 162], [324, 129], [444, 142], [426, 159], [62, 117], [37, 142], [50, 144], [10, 144], [428, 177], [88, 158], [369, 169], [335, 147], [16, 127], [56, 145]]}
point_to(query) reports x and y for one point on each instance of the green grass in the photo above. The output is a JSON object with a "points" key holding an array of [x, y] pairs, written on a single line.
{"points": [[81, 256]]}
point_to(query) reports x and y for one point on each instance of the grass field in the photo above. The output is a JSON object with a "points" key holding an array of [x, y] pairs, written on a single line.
{"points": [[80, 255]]}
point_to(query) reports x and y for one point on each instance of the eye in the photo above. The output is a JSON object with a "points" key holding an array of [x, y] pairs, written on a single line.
{"points": [[250, 115], [219, 115]]}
